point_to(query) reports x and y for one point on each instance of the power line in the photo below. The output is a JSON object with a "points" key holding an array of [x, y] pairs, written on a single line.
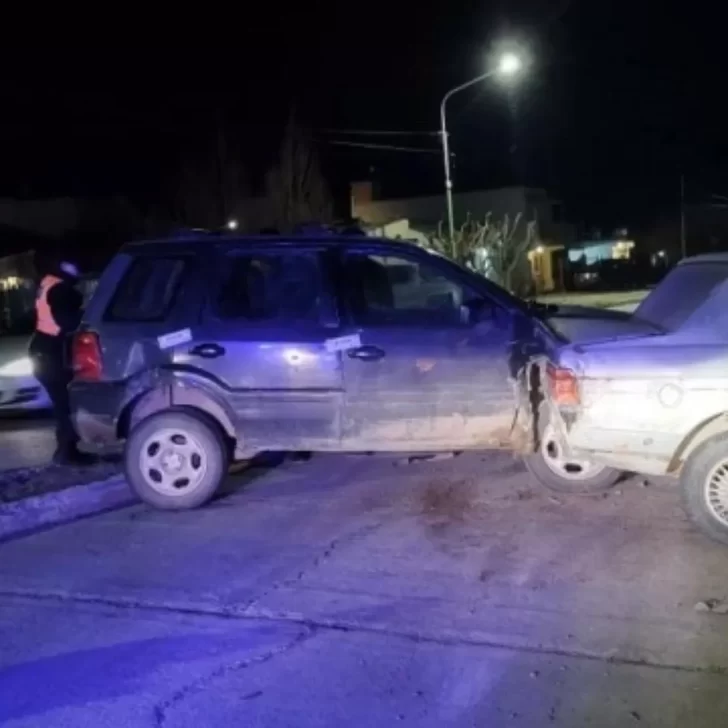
{"points": [[390, 147], [380, 132]]}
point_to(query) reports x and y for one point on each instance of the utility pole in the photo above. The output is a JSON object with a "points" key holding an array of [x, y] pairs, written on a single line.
{"points": [[221, 168], [509, 65], [448, 178], [683, 244]]}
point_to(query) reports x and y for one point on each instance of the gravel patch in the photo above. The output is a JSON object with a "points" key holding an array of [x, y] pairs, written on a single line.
{"points": [[15, 485]]}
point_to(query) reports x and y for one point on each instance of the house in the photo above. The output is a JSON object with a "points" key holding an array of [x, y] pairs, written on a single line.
{"points": [[593, 251], [18, 274], [395, 230], [425, 215]]}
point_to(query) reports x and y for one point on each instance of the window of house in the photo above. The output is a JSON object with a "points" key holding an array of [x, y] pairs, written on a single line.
{"points": [[401, 291], [281, 287], [148, 289]]}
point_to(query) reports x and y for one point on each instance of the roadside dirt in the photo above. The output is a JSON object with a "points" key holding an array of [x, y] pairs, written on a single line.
{"points": [[25, 482]]}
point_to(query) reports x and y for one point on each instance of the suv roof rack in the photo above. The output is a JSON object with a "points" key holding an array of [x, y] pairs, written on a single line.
{"points": [[189, 233], [305, 229], [335, 233]]}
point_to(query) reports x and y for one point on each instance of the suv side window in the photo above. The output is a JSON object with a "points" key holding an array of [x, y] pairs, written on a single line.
{"points": [[276, 287], [399, 291], [148, 289]]}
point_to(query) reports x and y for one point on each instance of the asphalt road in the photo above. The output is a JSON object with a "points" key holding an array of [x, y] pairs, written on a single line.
{"points": [[26, 441], [348, 591]]}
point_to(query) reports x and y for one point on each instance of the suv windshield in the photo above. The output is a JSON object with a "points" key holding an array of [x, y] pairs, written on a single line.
{"points": [[681, 294]]}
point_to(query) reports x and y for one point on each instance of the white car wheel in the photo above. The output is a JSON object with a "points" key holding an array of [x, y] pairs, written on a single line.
{"points": [[176, 459], [556, 471], [562, 466], [716, 492], [704, 484]]}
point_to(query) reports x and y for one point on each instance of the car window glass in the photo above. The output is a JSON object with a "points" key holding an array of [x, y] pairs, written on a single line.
{"points": [[681, 294], [264, 288], [390, 290], [147, 290]]}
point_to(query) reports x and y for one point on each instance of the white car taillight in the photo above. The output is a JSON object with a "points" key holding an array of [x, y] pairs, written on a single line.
{"points": [[563, 386]]}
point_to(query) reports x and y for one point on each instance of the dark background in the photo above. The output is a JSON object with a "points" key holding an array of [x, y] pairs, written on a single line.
{"points": [[620, 99]]}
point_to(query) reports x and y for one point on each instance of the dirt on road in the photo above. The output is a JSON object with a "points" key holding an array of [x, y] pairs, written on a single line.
{"points": [[355, 591]]}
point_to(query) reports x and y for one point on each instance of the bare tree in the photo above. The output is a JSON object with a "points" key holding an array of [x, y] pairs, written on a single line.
{"points": [[497, 250], [207, 190], [211, 180], [295, 186]]}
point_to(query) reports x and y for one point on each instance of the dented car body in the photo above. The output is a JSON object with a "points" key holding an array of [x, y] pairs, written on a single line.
{"points": [[654, 403], [641, 402], [313, 343]]}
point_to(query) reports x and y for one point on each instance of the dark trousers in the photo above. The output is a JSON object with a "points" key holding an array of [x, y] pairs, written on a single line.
{"points": [[51, 371]]}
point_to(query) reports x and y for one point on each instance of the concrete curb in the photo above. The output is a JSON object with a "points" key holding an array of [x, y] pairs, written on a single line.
{"points": [[51, 509]]}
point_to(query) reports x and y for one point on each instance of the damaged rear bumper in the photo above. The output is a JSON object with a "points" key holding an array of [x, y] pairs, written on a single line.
{"points": [[537, 411], [95, 411]]}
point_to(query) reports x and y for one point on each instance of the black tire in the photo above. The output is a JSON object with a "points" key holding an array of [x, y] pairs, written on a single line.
{"points": [[536, 463], [205, 436], [694, 482], [598, 483]]}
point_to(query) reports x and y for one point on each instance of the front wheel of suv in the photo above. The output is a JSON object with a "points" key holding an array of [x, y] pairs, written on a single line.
{"points": [[176, 460]]}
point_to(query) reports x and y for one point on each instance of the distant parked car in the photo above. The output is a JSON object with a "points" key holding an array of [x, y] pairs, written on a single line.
{"points": [[653, 403], [208, 348], [20, 391]]}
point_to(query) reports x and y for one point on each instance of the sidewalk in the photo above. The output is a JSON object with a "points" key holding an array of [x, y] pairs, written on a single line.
{"points": [[600, 299]]}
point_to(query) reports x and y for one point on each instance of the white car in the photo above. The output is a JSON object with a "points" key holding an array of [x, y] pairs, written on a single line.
{"points": [[20, 391], [654, 403]]}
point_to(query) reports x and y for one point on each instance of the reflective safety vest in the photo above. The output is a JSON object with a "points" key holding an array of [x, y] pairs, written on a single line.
{"points": [[44, 321]]}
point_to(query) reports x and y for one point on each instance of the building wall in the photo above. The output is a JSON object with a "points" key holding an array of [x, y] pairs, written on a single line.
{"points": [[398, 230], [427, 212], [594, 251], [431, 210]]}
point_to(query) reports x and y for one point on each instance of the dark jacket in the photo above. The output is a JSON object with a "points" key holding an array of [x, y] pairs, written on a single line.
{"points": [[66, 304]]}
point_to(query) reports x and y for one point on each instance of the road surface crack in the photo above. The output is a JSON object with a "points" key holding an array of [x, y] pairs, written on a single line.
{"points": [[312, 625], [162, 709], [342, 540]]}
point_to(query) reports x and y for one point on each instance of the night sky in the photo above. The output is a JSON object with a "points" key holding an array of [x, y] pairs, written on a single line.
{"points": [[621, 97]]}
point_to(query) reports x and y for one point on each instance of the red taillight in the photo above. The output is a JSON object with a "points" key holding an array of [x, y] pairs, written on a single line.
{"points": [[86, 356], [563, 385]]}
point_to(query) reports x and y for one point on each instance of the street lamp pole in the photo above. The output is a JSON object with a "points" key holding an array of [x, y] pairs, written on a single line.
{"points": [[446, 146], [509, 65]]}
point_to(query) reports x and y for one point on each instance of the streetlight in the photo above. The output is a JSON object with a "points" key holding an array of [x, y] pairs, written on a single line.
{"points": [[508, 65], [232, 224]]}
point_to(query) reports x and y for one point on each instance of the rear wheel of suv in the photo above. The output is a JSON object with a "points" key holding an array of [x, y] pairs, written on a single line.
{"points": [[704, 485], [176, 460], [552, 468]]}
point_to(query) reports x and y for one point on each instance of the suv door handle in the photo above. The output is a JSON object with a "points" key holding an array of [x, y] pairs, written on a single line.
{"points": [[207, 351], [366, 353]]}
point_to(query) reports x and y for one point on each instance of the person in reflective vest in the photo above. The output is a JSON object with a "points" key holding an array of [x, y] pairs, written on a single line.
{"points": [[58, 313]]}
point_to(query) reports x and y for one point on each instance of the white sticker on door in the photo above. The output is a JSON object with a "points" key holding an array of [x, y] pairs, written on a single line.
{"points": [[167, 341], [342, 343]]}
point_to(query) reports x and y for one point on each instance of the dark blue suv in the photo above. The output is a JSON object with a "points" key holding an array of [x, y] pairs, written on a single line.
{"points": [[205, 349]]}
